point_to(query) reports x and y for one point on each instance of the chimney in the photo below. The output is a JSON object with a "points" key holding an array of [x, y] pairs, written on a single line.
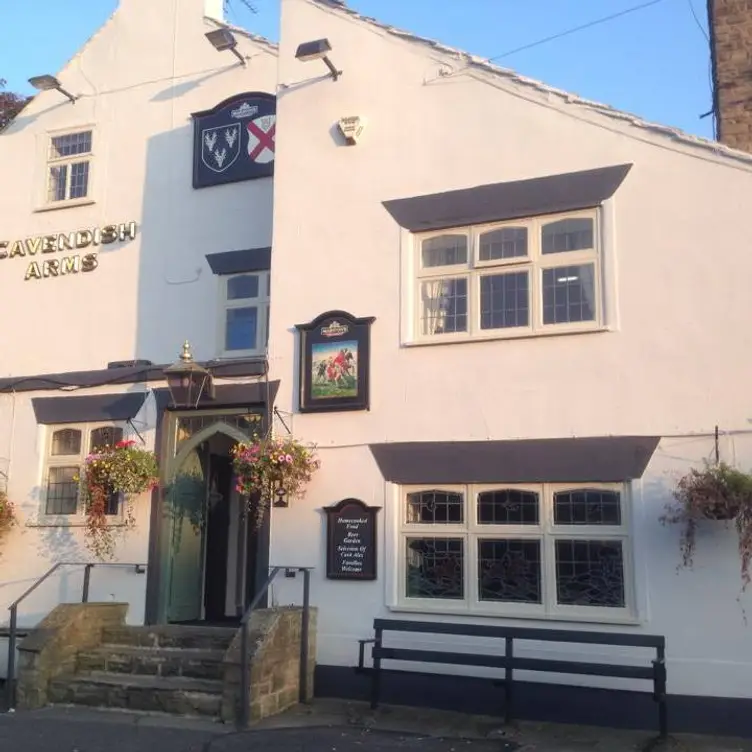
{"points": [[730, 24], [215, 9]]}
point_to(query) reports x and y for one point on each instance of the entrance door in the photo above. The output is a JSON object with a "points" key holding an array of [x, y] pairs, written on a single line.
{"points": [[187, 504], [218, 538]]}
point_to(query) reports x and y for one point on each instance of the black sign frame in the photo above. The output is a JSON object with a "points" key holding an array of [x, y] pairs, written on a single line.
{"points": [[333, 563], [233, 114], [331, 388]]}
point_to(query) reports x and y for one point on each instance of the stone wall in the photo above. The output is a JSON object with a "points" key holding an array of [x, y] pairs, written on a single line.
{"points": [[731, 35], [52, 648], [274, 642]]}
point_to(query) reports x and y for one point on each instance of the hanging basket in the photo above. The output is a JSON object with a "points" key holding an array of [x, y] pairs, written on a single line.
{"points": [[716, 493], [123, 471], [8, 518], [271, 472]]}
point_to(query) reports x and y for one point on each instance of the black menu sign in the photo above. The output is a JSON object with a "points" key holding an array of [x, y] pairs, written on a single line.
{"points": [[351, 541]]}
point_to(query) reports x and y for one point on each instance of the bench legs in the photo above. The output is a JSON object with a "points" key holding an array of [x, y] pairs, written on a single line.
{"points": [[659, 692], [376, 673], [509, 683]]}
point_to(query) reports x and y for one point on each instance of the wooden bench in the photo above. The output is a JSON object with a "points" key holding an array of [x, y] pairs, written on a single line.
{"points": [[505, 659]]}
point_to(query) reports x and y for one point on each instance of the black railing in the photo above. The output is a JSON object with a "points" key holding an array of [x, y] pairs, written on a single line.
{"points": [[245, 655], [13, 608]]}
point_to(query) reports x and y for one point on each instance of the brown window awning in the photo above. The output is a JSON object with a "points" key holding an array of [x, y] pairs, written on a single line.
{"points": [[513, 200], [581, 460]]}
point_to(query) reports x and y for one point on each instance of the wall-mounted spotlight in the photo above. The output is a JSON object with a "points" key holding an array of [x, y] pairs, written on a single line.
{"points": [[224, 39], [47, 83], [318, 50]]}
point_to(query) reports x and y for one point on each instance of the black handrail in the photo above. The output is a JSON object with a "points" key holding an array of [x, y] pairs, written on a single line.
{"points": [[13, 608], [245, 657]]}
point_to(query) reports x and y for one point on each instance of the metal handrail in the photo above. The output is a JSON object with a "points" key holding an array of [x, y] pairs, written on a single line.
{"points": [[245, 657], [13, 608]]}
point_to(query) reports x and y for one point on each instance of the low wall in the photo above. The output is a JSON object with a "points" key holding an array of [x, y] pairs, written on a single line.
{"points": [[274, 642], [51, 650]]}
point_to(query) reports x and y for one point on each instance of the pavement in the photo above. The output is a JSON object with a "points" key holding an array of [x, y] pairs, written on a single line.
{"points": [[324, 726]]}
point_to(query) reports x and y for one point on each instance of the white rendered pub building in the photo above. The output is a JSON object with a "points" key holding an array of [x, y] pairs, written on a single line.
{"points": [[543, 300]]}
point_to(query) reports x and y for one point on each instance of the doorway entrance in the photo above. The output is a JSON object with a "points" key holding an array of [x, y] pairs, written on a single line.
{"points": [[211, 555]]}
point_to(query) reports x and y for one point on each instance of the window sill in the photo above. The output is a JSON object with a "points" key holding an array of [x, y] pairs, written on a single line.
{"points": [[627, 621], [462, 340], [73, 521], [65, 205]]}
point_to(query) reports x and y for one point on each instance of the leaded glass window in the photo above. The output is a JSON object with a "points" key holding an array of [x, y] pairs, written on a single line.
{"points": [[534, 550]]}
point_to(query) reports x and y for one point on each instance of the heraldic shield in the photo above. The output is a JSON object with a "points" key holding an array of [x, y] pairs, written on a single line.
{"points": [[235, 140], [220, 146]]}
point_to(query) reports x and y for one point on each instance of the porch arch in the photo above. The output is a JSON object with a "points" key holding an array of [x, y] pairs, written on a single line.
{"points": [[205, 433]]}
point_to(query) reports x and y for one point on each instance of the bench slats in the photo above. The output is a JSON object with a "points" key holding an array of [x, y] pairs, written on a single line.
{"points": [[520, 664], [587, 669], [522, 633], [437, 656]]}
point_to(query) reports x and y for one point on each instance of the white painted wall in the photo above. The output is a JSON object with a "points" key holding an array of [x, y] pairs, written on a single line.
{"points": [[138, 79], [676, 362]]}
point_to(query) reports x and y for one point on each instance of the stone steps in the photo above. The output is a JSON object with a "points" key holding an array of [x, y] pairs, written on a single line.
{"points": [[177, 695], [131, 659], [171, 636], [165, 669]]}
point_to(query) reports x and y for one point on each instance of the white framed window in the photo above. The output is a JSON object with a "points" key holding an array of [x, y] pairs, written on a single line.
{"points": [[67, 449], [509, 279], [68, 174], [529, 551], [244, 314]]}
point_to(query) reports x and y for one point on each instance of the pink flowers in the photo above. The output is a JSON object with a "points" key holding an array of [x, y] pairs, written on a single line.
{"points": [[266, 466]]}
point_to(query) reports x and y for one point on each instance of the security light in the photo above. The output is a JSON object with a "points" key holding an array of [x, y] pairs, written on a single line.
{"points": [[224, 39], [318, 50], [47, 83]]}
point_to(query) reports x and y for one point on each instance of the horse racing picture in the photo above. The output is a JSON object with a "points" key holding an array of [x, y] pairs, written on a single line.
{"points": [[334, 370]]}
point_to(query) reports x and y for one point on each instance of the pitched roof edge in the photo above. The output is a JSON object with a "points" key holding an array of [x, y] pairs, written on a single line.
{"points": [[482, 65], [263, 41]]}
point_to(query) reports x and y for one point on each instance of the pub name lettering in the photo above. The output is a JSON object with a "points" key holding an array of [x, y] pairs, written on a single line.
{"points": [[77, 240]]}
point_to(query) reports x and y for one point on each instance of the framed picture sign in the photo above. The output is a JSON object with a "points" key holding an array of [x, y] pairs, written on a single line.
{"points": [[335, 362], [351, 541]]}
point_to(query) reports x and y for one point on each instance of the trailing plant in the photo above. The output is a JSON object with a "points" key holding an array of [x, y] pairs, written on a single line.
{"points": [[8, 517], [272, 467], [122, 470], [717, 492]]}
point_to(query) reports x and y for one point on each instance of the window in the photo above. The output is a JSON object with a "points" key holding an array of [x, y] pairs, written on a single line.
{"points": [[519, 278], [68, 448], [540, 551], [68, 167], [244, 318]]}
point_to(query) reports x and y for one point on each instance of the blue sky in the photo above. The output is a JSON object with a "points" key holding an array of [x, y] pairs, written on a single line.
{"points": [[653, 62]]}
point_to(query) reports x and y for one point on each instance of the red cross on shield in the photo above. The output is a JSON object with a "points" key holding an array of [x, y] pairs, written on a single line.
{"points": [[261, 139]]}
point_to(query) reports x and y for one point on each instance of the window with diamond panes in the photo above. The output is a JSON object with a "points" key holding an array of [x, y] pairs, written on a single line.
{"points": [[540, 550], [68, 166], [526, 277]]}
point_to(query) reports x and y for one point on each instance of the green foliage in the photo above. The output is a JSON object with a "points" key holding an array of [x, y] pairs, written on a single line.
{"points": [[121, 469], [7, 514], [717, 492], [267, 466]]}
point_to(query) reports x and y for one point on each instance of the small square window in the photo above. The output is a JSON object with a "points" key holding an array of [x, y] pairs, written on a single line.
{"points": [[68, 167]]}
